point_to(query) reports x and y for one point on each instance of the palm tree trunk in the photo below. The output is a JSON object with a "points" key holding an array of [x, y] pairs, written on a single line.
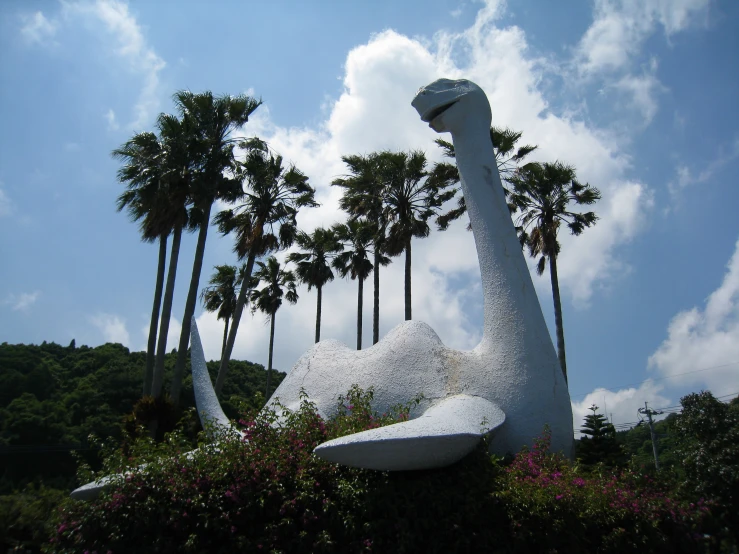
{"points": [[225, 336], [192, 297], [360, 298], [318, 313], [240, 303], [271, 347], [558, 315], [158, 377], [376, 301], [151, 347], [408, 280]]}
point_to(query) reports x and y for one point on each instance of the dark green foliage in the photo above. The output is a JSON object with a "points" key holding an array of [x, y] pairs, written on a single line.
{"points": [[710, 451], [599, 445], [270, 494], [25, 518], [52, 398]]}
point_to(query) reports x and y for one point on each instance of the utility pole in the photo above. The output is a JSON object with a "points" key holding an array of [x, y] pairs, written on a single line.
{"points": [[646, 410]]}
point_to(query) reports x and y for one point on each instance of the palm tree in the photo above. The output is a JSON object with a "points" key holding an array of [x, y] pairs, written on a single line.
{"points": [[409, 199], [312, 265], [212, 119], [221, 294], [269, 299], [362, 197], [358, 238], [141, 155], [507, 157], [264, 222], [542, 192], [155, 196], [177, 174]]}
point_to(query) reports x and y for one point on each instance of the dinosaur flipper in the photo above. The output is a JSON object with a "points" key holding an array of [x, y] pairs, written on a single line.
{"points": [[444, 434]]}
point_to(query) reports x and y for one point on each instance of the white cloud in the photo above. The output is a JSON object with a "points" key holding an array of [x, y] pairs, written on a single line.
{"points": [[37, 29], [372, 113], [130, 45], [112, 327], [23, 301], [6, 204], [619, 406], [705, 338], [620, 27]]}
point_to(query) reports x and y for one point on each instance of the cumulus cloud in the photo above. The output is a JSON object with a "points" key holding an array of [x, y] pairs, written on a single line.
{"points": [[619, 406], [112, 327], [705, 339], [372, 113], [36, 29], [22, 302]]}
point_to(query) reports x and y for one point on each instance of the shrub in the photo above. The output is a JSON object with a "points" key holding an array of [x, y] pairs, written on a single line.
{"points": [[268, 493]]}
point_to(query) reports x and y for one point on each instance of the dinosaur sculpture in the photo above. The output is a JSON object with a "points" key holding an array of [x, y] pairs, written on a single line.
{"points": [[510, 386]]}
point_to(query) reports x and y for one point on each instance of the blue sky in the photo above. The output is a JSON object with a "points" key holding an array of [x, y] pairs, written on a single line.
{"points": [[639, 95]]}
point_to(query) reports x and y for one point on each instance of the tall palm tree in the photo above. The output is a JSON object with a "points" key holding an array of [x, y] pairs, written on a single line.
{"points": [[312, 264], [542, 193], [221, 294], [264, 221], [508, 158], [357, 235], [141, 170], [177, 174], [409, 200], [362, 197], [212, 119], [155, 195], [278, 283]]}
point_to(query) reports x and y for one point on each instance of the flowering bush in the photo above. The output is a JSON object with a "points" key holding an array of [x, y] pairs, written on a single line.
{"points": [[268, 493]]}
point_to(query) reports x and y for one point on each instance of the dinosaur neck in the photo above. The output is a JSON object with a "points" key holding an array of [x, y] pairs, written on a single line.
{"points": [[509, 298]]}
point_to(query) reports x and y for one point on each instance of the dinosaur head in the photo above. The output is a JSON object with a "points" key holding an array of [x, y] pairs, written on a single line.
{"points": [[446, 104]]}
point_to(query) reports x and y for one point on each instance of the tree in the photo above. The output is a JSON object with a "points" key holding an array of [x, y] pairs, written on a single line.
{"points": [[362, 197], [358, 238], [312, 265], [264, 222], [542, 193], [507, 157], [155, 169], [178, 170], [221, 295], [278, 283], [141, 171], [212, 118], [709, 431], [599, 444], [409, 200]]}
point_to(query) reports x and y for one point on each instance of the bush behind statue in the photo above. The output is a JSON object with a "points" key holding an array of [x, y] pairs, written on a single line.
{"points": [[270, 494]]}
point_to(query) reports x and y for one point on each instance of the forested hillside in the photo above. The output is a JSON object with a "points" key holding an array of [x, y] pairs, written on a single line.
{"points": [[53, 397]]}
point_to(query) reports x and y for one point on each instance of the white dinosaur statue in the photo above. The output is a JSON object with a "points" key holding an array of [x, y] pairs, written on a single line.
{"points": [[510, 386]]}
